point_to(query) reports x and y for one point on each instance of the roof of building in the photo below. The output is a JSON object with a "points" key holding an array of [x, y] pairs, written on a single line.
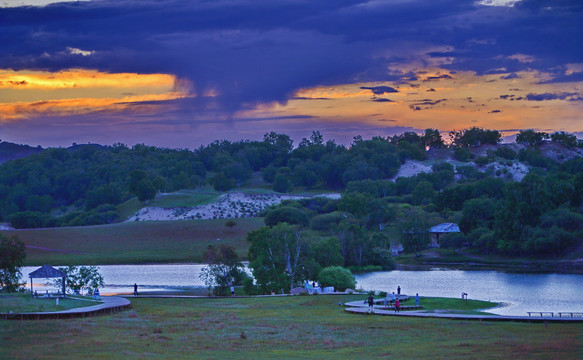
{"points": [[47, 271], [445, 228]]}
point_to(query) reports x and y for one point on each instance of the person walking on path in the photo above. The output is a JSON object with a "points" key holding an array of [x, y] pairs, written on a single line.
{"points": [[370, 301], [417, 299], [232, 290], [397, 306], [398, 290], [135, 289]]}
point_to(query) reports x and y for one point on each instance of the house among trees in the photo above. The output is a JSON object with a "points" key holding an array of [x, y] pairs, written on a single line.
{"points": [[442, 229]]}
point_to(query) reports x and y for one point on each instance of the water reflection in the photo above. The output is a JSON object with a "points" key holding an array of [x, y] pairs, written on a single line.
{"points": [[519, 292]]}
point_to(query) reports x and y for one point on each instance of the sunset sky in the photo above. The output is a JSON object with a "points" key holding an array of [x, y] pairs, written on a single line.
{"points": [[178, 73]]}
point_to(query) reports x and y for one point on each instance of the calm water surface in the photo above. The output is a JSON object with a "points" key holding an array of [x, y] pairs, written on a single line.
{"points": [[519, 293]]}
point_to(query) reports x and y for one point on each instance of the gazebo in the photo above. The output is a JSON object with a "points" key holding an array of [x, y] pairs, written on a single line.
{"points": [[442, 229], [46, 272]]}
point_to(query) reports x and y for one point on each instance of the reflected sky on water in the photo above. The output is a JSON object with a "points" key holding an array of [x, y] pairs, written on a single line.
{"points": [[519, 292]]}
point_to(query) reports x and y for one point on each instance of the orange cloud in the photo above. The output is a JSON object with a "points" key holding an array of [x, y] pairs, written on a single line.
{"points": [[27, 94], [440, 99], [78, 78]]}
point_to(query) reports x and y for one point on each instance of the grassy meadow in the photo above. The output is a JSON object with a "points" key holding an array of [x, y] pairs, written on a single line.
{"points": [[23, 302], [133, 242], [299, 327]]}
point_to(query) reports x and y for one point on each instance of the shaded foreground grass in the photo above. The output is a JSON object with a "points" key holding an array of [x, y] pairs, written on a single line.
{"points": [[305, 327], [133, 242], [23, 302]]}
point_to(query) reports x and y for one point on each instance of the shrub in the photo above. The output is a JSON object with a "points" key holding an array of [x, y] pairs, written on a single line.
{"points": [[288, 214], [461, 154], [482, 161], [506, 153], [338, 277]]}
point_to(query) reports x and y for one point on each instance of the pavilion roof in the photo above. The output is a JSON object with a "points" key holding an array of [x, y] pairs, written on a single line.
{"points": [[47, 271], [445, 228]]}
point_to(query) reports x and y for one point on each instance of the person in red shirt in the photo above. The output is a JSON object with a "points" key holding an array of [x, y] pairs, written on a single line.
{"points": [[397, 305]]}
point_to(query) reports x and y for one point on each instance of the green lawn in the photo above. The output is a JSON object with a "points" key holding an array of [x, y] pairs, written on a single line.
{"points": [[300, 327], [23, 303], [133, 242]]}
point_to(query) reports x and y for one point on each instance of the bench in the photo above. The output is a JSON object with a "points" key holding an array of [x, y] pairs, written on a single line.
{"points": [[571, 314], [403, 307], [48, 295], [541, 313]]}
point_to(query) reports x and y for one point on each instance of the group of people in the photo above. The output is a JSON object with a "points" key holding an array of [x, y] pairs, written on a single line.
{"points": [[394, 299]]}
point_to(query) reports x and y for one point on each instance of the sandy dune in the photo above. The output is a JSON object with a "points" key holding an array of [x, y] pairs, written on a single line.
{"points": [[231, 205]]}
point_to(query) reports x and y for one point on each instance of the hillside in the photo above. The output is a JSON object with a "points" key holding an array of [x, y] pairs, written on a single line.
{"points": [[11, 151]]}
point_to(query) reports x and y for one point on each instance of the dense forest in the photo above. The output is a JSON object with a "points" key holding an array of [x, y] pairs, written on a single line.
{"points": [[540, 215]]}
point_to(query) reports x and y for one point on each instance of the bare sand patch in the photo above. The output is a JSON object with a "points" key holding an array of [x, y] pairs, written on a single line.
{"points": [[230, 205]]}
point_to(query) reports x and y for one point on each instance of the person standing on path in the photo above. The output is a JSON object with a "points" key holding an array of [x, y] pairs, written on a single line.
{"points": [[135, 289], [398, 290], [417, 299], [370, 301], [232, 290], [397, 305]]}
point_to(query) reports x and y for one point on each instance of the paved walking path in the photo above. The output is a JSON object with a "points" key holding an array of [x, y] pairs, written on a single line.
{"points": [[110, 304], [358, 307]]}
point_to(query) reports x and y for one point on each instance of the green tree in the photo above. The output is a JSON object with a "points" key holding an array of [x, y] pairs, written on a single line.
{"points": [[224, 269], [474, 136], [564, 138], [432, 139], [279, 257], [282, 183], [145, 190], [338, 277], [531, 137], [231, 224], [82, 278], [477, 213], [221, 182], [379, 213], [286, 214], [328, 252], [12, 255], [414, 230], [423, 193]]}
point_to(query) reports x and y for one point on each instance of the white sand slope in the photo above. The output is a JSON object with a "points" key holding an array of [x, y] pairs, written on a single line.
{"points": [[515, 170], [231, 205]]}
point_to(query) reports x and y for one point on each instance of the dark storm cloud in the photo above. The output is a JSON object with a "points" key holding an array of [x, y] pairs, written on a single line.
{"points": [[425, 104], [553, 96], [379, 90], [382, 100], [438, 77], [260, 51], [511, 76]]}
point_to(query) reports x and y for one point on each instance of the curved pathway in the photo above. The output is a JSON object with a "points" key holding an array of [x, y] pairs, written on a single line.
{"points": [[110, 304], [358, 307]]}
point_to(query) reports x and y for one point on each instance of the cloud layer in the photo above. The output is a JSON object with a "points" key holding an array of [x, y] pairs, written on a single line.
{"points": [[238, 55]]}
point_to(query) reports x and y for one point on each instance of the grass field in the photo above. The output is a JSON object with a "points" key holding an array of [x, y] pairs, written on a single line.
{"points": [[133, 242], [22, 303], [300, 327]]}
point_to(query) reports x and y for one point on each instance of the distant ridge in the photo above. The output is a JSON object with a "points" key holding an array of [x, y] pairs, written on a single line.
{"points": [[11, 151]]}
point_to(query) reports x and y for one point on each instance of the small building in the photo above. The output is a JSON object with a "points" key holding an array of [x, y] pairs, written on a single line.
{"points": [[442, 229], [46, 272]]}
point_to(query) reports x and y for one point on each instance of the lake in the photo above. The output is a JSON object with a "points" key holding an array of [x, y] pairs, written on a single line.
{"points": [[518, 293]]}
